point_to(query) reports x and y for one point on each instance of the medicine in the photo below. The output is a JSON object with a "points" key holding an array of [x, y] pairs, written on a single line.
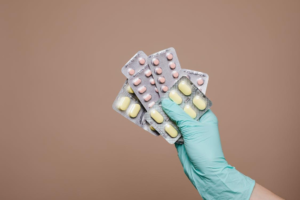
{"points": [[158, 118], [137, 81], [142, 89], [175, 74], [172, 65], [171, 130], [151, 104], [134, 110], [158, 70], [200, 81], [175, 97], [147, 97], [169, 56], [142, 61], [155, 61], [189, 110], [164, 88], [131, 71], [152, 81], [152, 128], [129, 90], [123, 103], [161, 80], [199, 102], [184, 88], [148, 73]]}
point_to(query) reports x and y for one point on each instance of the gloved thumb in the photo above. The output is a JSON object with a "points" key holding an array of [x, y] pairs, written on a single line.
{"points": [[177, 114]]}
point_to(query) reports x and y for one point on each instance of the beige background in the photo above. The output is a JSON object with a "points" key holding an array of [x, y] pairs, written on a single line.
{"points": [[60, 72]]}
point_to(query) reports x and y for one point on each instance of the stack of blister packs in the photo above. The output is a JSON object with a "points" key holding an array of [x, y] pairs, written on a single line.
{"points": [[152, 78]]}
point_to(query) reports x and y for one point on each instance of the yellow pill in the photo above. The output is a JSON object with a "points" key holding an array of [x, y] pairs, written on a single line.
{"points": [[175, 97], [152, 128], [199, 102], [185, 88], [156, 116], [171, 130], [123, 103], [129, 90], [189, 110], [134, 110]]}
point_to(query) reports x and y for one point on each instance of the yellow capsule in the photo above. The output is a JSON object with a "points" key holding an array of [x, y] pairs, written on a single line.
{"points": [[171, 130], [123, 103], [134, 110], [152, 128], [185, 88], [199, 102], [175, 97], [129, 90], [156, 116], [189, 110]]}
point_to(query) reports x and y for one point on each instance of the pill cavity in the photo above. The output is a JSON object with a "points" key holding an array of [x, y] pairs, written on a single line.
{"points": [[147, 97], [151, 104], [184, 88], [171, 130], [134, 110], [152, 81], [142, 61], [155, 61], [129, 90], [158, 118], [152, 128], [148, 73], [172, 65], [175, 74], [123, 103], [158, 70], [174, 96], [161, 80], [190, 111], [200, 81], [131, 71], [199, 102], [137, 81], [142, 89], [169, 56], [164, 88]]}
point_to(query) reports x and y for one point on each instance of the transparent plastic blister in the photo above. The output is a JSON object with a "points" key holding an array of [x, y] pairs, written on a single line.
{"points": [[163, 125], [165, 68], [128, 105], [143, 85], [198, 78], [135, 64]]}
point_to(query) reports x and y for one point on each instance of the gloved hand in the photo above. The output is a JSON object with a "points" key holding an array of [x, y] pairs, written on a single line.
{"points": [[202, 157]]}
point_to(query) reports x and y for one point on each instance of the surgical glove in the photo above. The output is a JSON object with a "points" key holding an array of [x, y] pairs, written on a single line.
{"points": [[202, 157]]}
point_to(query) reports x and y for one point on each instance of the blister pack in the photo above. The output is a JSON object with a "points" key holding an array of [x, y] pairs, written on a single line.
{"points": [[128, 105], [143, 85], [165, 68], [188, 97], [135, 64], [198, 78]]}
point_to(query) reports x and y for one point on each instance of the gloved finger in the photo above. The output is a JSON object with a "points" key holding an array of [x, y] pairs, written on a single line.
{"points": [[208, 117], [184, 159], [176, 113]]}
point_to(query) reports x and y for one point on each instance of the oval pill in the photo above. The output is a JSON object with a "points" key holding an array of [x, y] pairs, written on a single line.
{"points": [[123, 103], [161, 80], [175, 74], [155, 61], [158, 70], [200, 81], [142, 61], [171, 130], [158, 118], [152, 128], [142, 89], [169, 56], [131, 71], [148, 73], [134, 110], [189, 110], [172, 65], [151, 104], [184, 88], [137, 81], [199, 102], [147, 97], [152, 81], [175, 97], [129, 90]]}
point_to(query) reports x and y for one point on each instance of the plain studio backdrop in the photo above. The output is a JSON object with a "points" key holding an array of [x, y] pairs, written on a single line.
{"points": [[61, 71]]}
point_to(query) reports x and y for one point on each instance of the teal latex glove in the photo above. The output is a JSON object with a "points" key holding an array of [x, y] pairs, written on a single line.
{"points": [[202, 157]]}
